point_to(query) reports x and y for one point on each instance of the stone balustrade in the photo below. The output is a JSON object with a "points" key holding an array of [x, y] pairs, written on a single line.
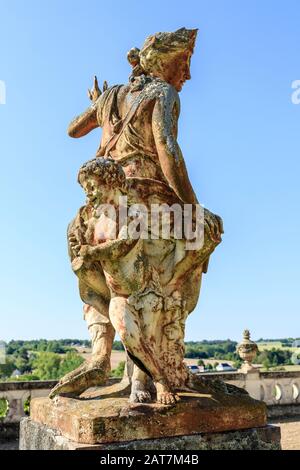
{"points": [[280, 391], [274, 388], [18, 394]]}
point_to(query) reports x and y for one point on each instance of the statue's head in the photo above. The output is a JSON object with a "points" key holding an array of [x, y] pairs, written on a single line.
{"points": [[166, 56], [100, 178]]}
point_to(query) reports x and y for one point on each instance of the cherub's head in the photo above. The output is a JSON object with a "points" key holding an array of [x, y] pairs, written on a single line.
{"points": [[102, 179], [166, 56]]}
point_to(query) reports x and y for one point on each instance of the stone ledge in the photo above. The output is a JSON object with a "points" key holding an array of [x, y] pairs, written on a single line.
{"points": [[29, 385], [223, 375], [280, 374], [283, 411], [37, 385], [36, 436]]}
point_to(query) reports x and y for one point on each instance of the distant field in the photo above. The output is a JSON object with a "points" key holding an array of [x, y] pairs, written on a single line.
{"points": [[116, 356], [267, 346]]}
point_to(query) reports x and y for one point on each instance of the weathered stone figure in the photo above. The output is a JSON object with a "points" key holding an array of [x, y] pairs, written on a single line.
{"points": [[142, 288], [139, 247]]}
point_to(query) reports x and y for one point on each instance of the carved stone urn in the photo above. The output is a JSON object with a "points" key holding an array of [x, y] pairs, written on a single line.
{"points": [[247, 351]]}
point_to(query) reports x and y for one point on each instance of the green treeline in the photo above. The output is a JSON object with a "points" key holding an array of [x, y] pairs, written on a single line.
{"points": [[51, 359]]}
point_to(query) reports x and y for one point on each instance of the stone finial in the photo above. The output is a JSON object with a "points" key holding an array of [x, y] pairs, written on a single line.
{"points": [[247, 351]]}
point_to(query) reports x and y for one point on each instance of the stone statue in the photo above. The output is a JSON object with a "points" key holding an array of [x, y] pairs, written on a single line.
{"points": [[132, 279], [139, 247]]}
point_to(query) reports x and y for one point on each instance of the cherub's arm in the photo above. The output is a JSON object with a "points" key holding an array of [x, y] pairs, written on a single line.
{"points": [[75, 233], [111, 249], [164, 125]]}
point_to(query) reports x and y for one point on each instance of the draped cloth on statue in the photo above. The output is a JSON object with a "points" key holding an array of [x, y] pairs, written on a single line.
{"points": [[135, 149]]}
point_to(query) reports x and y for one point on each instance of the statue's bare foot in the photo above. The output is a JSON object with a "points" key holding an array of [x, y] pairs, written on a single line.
{"points": [[140, 397], [139, 392], [90, 374], [165, 396]]}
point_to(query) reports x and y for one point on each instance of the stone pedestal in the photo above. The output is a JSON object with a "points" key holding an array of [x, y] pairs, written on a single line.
{"points": [[100, 421], [36, 436]]}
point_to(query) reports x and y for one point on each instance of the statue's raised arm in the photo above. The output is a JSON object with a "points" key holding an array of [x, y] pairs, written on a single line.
{"points": [[87, 121]]}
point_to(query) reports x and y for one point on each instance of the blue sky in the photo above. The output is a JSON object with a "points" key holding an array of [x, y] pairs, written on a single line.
{"points": [[239, 132]]}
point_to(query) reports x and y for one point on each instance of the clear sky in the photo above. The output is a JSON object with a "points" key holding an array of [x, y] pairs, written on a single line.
{"points": [[239, 132]]}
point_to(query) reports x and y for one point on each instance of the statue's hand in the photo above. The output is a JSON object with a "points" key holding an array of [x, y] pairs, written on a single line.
{"points": [[74, 244], [96, 92], [86, 252], [214, 225]]}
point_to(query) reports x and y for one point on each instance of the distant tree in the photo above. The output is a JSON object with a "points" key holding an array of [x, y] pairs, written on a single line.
{"points": [[7, 369], [296, 358], [69, 362], [3, 407], [42, 345], [118, 346], [21, 364], [46, 366], [229, 346], [51, 366], [274, 357], [56, 347], [13, 346], [118, 372], [26, 406], [203, 355]]}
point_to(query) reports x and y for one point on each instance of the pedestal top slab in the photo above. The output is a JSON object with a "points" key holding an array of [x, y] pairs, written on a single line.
{"points": [[102, 420]]}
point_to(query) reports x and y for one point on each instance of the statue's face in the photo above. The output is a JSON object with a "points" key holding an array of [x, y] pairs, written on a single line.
{"points": [[179, 70], [92, 188]]}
